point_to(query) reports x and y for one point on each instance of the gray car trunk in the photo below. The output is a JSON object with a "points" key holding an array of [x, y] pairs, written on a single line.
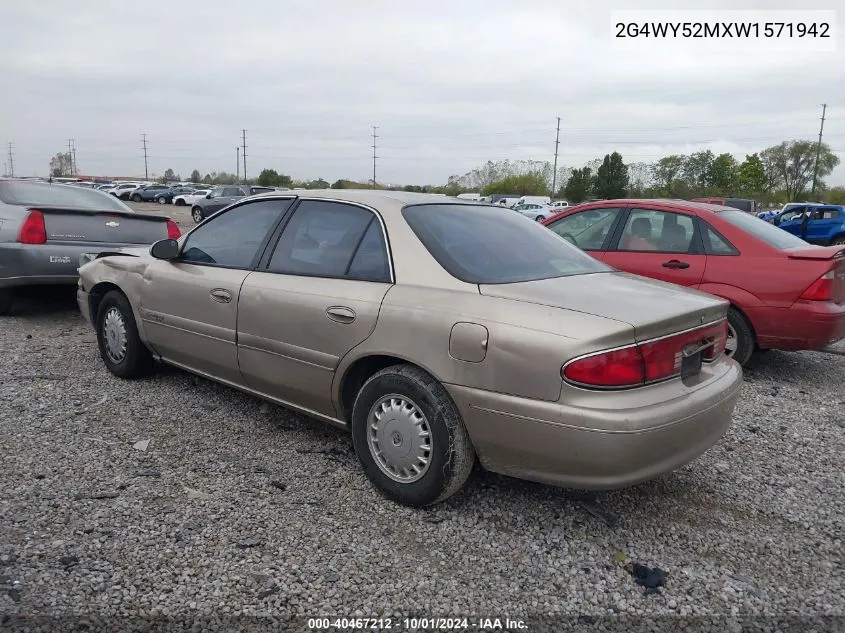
{"points": [[79, 226]]}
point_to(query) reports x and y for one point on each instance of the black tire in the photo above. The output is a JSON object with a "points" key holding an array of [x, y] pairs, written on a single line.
{"points": [[539, 218], [839, 240], [7, 300], [451, 457], [137, 360], [745, 338], [180, 203], [197, 214], [136, 198]]}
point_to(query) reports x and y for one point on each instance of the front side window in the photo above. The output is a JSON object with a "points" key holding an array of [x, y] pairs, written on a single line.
{"points": [[480, 245], [587, 229], [332, 239], [232, 238], [232, 192], [660, 231]]}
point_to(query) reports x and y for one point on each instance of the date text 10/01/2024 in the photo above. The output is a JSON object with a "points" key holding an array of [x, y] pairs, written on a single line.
{"points": [[417, 624]]}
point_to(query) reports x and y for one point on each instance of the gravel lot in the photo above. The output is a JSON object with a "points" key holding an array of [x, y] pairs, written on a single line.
{"points": [[238, 508]]}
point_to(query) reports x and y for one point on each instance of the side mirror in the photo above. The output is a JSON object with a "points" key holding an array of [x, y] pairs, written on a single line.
{"points": [[165, 249]]}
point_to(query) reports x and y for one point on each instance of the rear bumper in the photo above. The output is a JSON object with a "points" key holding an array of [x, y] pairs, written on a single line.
{"points": [[45, 264], [806, 325], [599, 448]]}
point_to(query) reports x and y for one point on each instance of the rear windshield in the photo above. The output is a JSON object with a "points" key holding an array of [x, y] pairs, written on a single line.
{"points": [[769, 233], [480, 244], [42, 194]]}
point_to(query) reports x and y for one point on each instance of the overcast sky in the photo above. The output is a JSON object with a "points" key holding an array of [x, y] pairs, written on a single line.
{"points": [[450, 85]]}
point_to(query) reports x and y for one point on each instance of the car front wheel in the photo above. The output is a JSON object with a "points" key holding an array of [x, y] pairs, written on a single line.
{"points": [[162, 200], [136, 198], [179, 202], [121, 349], [409, 437], [197, 214], [740, 344]]}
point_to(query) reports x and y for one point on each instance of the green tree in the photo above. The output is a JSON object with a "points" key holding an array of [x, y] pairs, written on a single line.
{"points": [[723, 174], [751, 176], [170, 175], [269, 178], [195, 176], [579, 186], [612, 177], [792, 164], [835, 195], [698, 170], [530, 184], [61, 164], [667, 170]]}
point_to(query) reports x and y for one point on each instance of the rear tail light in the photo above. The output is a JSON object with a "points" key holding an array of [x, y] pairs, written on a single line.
{"points": [[32, 230], [648, 362], [821, 289], [173, 231]]}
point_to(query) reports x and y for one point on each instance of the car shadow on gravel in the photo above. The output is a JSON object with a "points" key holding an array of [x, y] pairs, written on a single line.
{"points": [[44, 301]]}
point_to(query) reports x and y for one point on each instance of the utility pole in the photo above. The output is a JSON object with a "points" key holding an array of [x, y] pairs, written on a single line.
{"points": [[11, 161], [146, 170], [375, 136], [818, 150], [70, 155], [554, 173], [73, 156], [237, 163], [244, 152]]}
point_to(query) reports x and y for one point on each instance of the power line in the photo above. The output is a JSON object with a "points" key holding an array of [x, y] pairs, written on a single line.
{"points": [[818, 149], [146, 170], [375, 136], [244, 152], [554, 170]]}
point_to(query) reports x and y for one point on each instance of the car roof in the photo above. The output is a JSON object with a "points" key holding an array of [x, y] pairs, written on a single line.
{"points": [[378, 198], [666, 203]]}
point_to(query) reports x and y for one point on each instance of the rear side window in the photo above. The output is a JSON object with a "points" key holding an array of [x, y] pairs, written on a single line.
{"points": [[714, 243], [481, 245], [332, 239], [762, 230], [42, 194]]}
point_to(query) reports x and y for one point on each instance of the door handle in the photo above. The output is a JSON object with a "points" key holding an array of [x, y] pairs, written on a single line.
{"points": [[674, 263], [341, 314], [221, 295]]}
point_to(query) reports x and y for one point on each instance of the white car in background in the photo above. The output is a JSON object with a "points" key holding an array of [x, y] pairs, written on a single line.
{"points": [[123, 190], [537, 212], [189, 199]]}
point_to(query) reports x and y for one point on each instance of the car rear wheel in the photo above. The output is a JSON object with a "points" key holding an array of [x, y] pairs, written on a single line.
{"points": [[179, 202], [740, 345], [409, 437], [197, 214], [162, 200], [838, 241], [117, 337], [6, 301], [136, 198]]}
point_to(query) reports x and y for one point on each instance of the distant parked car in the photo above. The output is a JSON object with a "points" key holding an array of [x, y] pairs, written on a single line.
{"points": [[221, 197], [435, 331], [743, 204], [784, 293], [148, 193], [45, 228], [189, 199], [166, 196], [124, 190], [538, 212], [816, 224]]}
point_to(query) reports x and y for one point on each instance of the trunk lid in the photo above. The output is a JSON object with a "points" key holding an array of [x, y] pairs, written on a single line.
{"points": [[653, 308], [106, 227], [835, 255], [817, 252]]}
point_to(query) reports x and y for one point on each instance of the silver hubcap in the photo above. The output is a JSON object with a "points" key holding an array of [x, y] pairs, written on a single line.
{"points": [[399, 438], [114, 334], [197, 216], [731, 343]]}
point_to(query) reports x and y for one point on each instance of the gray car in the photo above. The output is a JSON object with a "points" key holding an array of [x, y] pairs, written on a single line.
{"points": [[221, 197], [45, 228]]}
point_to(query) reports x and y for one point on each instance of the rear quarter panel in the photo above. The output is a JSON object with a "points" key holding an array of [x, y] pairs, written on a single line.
{"points": [[527, 343]]}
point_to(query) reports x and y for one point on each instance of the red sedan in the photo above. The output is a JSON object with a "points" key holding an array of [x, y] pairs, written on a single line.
{"points": [[784, 293]]}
